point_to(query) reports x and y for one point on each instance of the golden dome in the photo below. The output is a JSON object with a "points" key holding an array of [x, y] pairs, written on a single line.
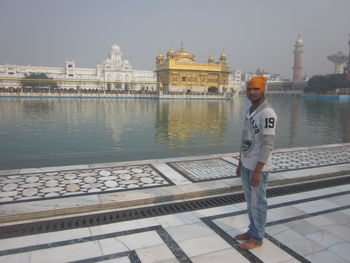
{"points": [[223, 57], [182, 51], [211, 59], [170, 53], [160, 59]]}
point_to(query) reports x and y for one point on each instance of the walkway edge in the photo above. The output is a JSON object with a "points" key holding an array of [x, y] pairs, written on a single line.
{"points": [[193, 191]]}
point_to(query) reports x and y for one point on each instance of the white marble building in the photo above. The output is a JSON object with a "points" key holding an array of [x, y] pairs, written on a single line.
{"points": [[235, 81], [114, 73]]}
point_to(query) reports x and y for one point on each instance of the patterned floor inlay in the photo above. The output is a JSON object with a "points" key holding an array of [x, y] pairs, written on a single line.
{"points": [[38, 186], [213, 169], [204, 170], [311, 158], [46, 185], [294, 160]]}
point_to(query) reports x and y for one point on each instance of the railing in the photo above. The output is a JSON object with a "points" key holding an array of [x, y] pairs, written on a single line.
{"points": [[99, 91], [22, 80]]}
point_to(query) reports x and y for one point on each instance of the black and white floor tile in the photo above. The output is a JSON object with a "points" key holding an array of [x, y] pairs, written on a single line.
{"points": [[303, 229]]}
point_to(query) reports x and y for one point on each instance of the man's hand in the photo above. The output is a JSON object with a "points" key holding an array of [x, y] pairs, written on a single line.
{"points": [[255, 182], [255, 179], [238, 170]]}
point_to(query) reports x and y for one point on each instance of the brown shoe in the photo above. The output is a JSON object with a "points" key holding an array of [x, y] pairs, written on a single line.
{"points": [[250, 244], [245, 236]]}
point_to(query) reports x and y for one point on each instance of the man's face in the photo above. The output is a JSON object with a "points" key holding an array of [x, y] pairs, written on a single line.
{"points": [[254, 94]]}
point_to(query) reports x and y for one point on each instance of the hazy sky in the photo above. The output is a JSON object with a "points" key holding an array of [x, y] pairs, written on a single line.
{"points": [[252, 33]]}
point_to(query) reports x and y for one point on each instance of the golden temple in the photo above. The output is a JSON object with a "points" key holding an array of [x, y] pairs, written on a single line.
{"points": [[179, 72]]}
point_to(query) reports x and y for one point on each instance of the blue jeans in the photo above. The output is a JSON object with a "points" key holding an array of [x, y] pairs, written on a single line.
{"points": [[256, 204]]}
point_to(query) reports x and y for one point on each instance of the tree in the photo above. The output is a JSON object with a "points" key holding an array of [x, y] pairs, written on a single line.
{"points": [[326, 84]]}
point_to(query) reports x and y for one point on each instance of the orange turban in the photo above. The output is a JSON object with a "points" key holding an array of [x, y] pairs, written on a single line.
{"points": [[257, 83]]}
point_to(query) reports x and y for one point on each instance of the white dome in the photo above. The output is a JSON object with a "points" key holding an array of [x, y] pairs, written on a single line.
{"points": [[299, 41], [115, 53], [115, 47], [126, 63]]}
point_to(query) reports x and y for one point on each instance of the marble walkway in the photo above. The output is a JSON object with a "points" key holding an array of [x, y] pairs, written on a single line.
{"points": [[311, 226]]}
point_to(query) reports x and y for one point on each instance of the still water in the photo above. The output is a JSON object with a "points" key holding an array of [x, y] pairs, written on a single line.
{"points": [[37, 132]]}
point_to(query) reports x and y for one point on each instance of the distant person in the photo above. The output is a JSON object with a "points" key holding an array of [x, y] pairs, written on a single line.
{"points": [[255, 160]]}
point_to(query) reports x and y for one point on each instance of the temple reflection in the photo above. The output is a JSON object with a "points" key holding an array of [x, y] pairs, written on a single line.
{"points": [[182, 122]]}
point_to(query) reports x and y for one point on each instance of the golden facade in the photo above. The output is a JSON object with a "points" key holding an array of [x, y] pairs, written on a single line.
{"points": [[180, 72]]}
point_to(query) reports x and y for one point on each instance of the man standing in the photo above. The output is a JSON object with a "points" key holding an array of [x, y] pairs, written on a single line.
{"points": [[257, 143]]}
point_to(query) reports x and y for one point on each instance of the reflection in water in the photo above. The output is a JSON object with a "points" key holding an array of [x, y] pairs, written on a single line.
{"points": [[62, 126], [294, 120], [50, 132], [180, 123]]}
